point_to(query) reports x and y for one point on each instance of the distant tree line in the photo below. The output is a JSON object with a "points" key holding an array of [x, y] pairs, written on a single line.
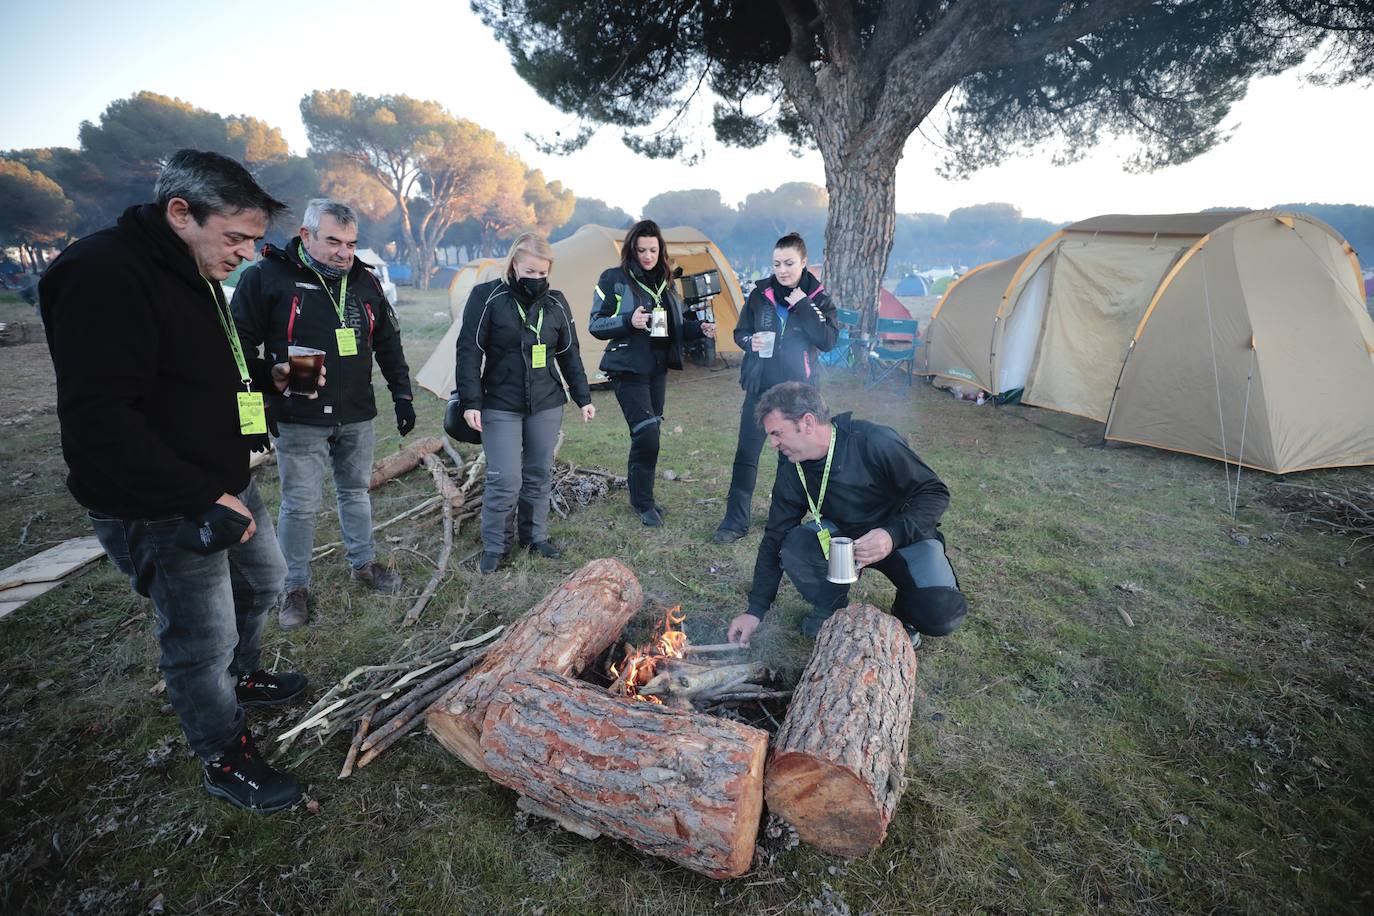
{"points": [[419, 176], [422, 178]]}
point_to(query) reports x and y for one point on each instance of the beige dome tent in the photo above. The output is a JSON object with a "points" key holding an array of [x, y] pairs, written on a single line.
{"points": [[578, 262], [1240, 336]]}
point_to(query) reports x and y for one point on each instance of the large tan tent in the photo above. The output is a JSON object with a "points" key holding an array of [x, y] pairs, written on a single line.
{"points": [[1240, 336], [578, 262]]}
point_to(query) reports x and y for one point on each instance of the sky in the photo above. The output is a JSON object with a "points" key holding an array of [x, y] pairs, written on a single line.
{"points": [[1292, 142]]}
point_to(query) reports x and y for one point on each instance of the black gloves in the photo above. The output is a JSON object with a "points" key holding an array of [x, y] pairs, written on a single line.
{"points": [[405, 417], [217, 528]]}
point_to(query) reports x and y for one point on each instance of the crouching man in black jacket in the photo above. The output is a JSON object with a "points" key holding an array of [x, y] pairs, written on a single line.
{"points": [[159, 408], [315, 293], [857, 480]]}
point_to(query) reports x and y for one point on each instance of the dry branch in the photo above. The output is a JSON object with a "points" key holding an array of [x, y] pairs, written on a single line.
{"points": [[689, 683], [451, 498], [407, 459]]}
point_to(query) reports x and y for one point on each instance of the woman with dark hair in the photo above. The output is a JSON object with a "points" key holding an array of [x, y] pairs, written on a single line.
{"points": [[635, 307], [786, 322], [516, 336]]}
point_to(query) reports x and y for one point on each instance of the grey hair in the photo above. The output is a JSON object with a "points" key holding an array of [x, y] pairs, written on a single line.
{"points": [[211, 183], [793, 400], [323, 206]]}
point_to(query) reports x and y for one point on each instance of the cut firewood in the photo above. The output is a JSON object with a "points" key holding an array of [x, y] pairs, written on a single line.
{"points": [[687, 683], [562, 634], [681, 785], [839, 761], [407, 459]]}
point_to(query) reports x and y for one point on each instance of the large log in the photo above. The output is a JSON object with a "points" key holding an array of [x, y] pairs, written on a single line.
{"points": [[681, 785], [839, 761], [561, 634], [404, 461]]}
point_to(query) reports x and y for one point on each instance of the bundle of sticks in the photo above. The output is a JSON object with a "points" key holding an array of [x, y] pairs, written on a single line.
{"points": [[706, 677], [384, 703], [1349, 511]]}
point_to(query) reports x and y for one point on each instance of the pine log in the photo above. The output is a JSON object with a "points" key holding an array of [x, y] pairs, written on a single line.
{"points": [[562, 634], [681, 785], [407, 459], [839, 761]]}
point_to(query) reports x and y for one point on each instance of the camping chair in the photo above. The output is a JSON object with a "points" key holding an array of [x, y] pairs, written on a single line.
{"points": [[842, 354], [894, 343]]}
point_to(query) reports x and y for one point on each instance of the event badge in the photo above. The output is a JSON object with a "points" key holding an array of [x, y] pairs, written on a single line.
{"points": [[348, 342], [823, 536], [539, 356], [252, 414]]}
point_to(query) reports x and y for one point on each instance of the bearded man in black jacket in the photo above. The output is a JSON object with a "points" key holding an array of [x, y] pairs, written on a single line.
{"points": [[159, 408], [858, 480], [315, 293]]}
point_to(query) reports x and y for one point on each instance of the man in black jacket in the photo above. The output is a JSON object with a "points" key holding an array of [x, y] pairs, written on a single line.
{"points": [[857, 480], [159, 408], [315, 293]]}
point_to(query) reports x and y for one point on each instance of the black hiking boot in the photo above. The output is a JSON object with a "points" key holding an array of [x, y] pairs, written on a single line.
{"points": [[244, 779], [264, 689], [546, 549]]}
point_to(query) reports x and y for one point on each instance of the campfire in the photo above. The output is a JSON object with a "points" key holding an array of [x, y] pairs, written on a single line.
{"points": [[639, 666], [672, 672], [655, 749]]}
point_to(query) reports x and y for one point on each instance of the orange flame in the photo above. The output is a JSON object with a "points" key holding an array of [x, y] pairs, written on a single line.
{"points": [[640, 664]]}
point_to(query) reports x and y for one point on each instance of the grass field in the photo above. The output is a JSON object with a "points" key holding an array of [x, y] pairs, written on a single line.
{"points": [[1141, 714]]}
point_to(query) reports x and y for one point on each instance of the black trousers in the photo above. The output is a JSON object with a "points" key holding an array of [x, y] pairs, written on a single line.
{"points": [[928, 596], [641, 400], [745, 473]]}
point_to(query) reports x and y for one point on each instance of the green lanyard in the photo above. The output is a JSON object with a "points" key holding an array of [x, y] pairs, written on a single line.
{"points": [[229, 332], [539, 326], [343, 295], [825, 479], [656, 296]]}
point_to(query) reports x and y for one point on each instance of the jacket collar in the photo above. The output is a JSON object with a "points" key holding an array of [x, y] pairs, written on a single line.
{"points": [[808, 284], [290, 254], [166, 246]]}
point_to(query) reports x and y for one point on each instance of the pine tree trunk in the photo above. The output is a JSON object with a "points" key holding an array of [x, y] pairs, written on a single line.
{"points": [[685, 786], [839, 761], [859, 228], [561, 634]]}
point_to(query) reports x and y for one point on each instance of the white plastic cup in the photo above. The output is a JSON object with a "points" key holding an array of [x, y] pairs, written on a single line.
{"points": [[766, 339]]}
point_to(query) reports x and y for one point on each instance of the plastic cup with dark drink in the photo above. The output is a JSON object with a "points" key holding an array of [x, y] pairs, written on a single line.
{"points": [[303, 377]]}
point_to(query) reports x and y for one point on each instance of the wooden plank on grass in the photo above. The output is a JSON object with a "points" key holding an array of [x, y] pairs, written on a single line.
{"points": [[43, 572]]}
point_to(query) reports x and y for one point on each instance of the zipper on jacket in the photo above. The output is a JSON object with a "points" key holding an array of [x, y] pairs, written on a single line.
{"points": [[371, 323], [291, 322]]}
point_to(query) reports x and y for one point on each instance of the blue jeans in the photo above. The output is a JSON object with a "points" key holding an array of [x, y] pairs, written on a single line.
{"points": [[302, 450], [928, 596], [210, 613]]}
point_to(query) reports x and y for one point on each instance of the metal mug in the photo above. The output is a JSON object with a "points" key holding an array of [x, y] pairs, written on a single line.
{"points": [[842, 570]]}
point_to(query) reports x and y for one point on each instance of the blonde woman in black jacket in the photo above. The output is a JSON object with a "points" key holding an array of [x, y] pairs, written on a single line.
{"points": [[635, 307], [516, 336]]}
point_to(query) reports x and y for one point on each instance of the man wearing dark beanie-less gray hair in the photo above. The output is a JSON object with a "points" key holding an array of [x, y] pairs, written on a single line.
{"points": [[858, 480], [159, 408]]}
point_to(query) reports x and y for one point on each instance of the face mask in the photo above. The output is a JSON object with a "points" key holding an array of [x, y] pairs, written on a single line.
{"points": [[531, 288]]}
